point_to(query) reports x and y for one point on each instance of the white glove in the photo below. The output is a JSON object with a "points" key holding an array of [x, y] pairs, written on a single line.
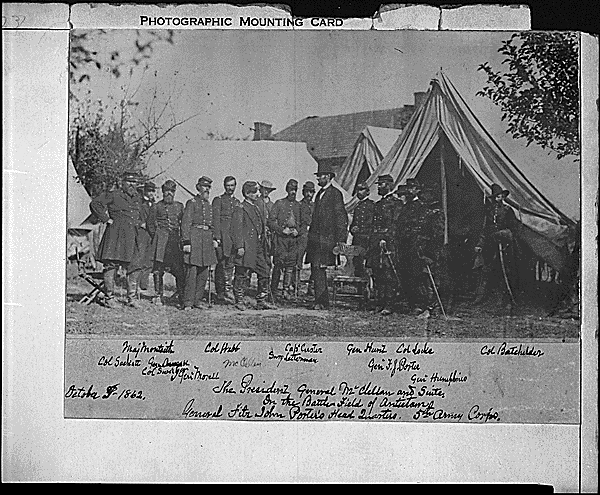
{"points": [[241, 251], [187, 249], [109, 221]]}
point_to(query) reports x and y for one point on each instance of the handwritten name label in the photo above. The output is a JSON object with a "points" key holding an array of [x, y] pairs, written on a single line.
{"points": [[320, 381], [511, 350]]}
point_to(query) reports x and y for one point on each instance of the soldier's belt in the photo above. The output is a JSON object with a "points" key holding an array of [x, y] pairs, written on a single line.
{"points": [[202, 227]]}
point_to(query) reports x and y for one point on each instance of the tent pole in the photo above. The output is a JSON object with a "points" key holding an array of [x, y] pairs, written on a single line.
{"points": [[444, 191]]}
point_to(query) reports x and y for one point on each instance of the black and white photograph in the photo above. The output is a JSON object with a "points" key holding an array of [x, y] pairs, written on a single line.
{"points": [[246, 245], [323, 184]]}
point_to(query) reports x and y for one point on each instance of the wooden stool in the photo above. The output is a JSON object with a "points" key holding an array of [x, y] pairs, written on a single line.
{"points": [[346, 276]]}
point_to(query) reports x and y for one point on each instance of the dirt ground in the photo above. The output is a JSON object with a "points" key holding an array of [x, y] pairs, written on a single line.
{"points": [[294, 320]]}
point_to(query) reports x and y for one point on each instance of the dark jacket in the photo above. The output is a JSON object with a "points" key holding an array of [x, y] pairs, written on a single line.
{"points": [[361, 227], [197, 230], [248, 232], [120, 239], [164, 224], [223, 207], [143, 258], [328, 227]]}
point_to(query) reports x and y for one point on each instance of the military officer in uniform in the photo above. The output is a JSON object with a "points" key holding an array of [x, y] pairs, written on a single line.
{"points": [[199, 244], [120, 210], [265, 205], [429, 239], [164, 224], [409, 225], [284, 222], [382, 255], [223, 207], [307, 206], [148, 192], [497, 245], [361, 227], [249, 247]]}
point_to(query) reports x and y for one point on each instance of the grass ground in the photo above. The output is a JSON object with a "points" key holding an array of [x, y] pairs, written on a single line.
{"points": [[295, 320]]}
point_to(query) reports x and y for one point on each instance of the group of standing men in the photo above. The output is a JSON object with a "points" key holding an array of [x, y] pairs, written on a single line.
{"points": [[255, 235], [402, 239], [407, 248]]}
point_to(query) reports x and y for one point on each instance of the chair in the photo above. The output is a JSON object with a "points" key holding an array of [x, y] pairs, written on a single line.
{"points": [[346, 277], [95, 279]]}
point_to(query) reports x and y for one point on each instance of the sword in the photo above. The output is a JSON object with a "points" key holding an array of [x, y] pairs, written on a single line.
{"points": [[512, 297], [437, 294]]}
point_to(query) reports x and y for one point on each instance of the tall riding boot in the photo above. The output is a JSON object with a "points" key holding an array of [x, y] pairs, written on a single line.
{"points": [[220, 280], [239, 286], [132, 285], [109, 285], [287, 283], [158, 288], [261, 296], [229, 297], [275, 281]]}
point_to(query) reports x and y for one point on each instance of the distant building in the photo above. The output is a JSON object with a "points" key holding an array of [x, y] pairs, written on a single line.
{"points": [[331, 139]]}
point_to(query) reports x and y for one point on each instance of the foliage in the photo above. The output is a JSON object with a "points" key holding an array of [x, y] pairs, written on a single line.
{"points": [[84, 60], [108, 138], [539, 93]]}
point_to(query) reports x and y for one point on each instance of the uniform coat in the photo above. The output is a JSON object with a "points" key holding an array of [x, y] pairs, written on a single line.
{"points": [[328, 227], [265, 207], [285, 213], [197, 230], [143, 258], [120, 240], [306, 212], [164, 224], [248, 232], [223, 207], [361, 227]]}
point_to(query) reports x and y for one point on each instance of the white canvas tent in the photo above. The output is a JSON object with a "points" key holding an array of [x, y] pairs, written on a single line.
{"points": [[372, 145], [78, 201], [78, 212], [444, 143], [276, 161]]}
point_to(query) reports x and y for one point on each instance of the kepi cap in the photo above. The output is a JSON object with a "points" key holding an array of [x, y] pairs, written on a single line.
{"points": [[309, 186], [169, 185], [385, 179], [204, 181]]}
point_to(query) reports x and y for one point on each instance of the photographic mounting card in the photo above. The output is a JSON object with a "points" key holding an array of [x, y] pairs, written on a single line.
{"points": [[292, 363]]}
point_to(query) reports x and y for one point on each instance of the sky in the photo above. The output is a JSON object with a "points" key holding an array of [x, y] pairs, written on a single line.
{"points": [[234, 78]]}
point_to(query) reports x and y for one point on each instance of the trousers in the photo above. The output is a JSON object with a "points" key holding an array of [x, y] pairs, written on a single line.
{"points": [[195, 282]]}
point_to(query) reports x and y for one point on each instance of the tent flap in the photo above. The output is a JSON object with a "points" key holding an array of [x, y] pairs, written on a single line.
{"points": [[445, 113]]}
